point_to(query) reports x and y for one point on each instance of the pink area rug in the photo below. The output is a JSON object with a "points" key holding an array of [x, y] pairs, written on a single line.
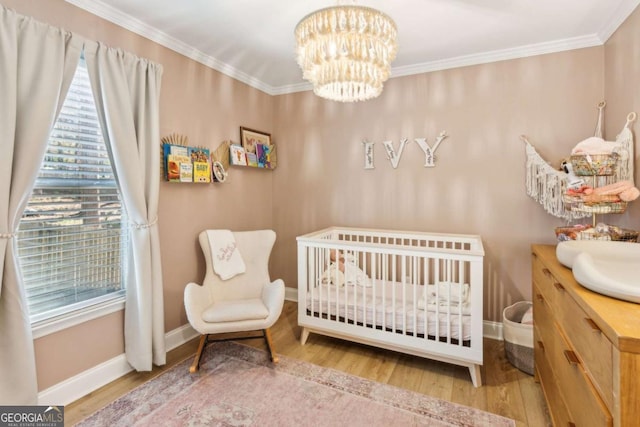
{"points": [[238, 386]]}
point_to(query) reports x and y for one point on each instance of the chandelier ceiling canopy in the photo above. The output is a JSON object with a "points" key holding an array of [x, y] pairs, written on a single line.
{"points": [[346, 51]]}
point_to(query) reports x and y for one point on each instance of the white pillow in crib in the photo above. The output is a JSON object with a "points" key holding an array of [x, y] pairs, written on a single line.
{"points": [[453, 290], [333, 276]]}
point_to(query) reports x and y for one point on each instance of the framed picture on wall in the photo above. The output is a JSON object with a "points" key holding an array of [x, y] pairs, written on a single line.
{"points": [[250, 138]]}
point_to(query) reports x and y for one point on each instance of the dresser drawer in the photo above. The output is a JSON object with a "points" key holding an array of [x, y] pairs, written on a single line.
{"points": [[543, 319], [546, 282], [557, 407], [591, 346], [585, 406]]}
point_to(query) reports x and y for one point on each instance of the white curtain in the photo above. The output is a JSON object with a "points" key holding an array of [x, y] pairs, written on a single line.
{"points": [[37, 63], [127, 92]]}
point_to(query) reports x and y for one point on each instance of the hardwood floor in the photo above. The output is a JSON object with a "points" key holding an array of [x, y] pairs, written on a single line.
{"points": [[506, 390]]}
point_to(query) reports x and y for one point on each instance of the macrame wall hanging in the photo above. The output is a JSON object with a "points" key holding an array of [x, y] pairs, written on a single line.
{"points": [[624, 148], [547, 185]]}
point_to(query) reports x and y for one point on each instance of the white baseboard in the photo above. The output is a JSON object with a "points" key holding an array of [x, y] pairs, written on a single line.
{"points": [[92, 379], [291, 294], [492, 330], [179, 336], [85, 382]]}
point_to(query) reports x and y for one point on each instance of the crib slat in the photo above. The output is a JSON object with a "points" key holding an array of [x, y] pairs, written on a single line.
{"points": [[427, 275], [393, 292]]}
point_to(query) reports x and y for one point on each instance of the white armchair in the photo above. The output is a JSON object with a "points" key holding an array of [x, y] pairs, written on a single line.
{"points": [[249, 301]]}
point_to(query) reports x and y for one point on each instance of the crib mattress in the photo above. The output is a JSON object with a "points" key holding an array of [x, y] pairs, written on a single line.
{"points": [[397, 308]]}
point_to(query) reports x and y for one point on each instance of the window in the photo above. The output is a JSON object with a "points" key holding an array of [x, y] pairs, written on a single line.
{"points": [[73, 237]]}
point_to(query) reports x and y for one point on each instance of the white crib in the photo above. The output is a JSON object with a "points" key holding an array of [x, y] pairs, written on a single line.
{"points": [[413, 292]]}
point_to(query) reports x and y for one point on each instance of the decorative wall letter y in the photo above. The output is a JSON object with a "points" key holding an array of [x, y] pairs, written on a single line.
{"points": [[429, 158]]}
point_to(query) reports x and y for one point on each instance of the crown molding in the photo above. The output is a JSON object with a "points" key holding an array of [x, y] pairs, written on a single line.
{"points": [[298, 87], [499, 55], [117, 17]]}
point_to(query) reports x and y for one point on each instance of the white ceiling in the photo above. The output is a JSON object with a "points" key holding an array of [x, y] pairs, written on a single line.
{"points": [[252, 40]]}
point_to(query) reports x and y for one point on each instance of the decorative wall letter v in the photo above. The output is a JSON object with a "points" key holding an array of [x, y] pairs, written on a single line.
{"points": [[394, 157], [429, 157]]}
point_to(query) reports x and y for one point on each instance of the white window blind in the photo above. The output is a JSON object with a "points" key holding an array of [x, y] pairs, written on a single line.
{"points": [[73, 236]]}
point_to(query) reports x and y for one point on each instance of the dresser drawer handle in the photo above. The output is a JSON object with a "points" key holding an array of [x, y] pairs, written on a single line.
{"points": [[539, 297], [541, 345], [571, 357], [571, 424], [592, 324], [558, 286], [547, 272]]}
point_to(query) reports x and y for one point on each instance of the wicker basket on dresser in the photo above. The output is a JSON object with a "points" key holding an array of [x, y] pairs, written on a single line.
{"points": [[587, 348]]}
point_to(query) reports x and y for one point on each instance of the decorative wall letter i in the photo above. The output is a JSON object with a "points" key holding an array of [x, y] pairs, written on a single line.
{"points": [[429, 157], [368, 154]]}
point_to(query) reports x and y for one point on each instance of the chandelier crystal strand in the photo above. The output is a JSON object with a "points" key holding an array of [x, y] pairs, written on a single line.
{"points": [[346, 51]]}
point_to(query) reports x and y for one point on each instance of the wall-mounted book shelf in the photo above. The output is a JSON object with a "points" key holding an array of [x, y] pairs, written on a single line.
{"points": [[183, 163], [254, 150], [263, 157]]}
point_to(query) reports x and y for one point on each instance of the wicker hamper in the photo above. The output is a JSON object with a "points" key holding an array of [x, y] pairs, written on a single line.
{"points": [[518, 338]]}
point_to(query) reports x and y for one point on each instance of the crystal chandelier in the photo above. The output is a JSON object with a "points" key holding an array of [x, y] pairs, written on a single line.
{"points": [[346, 51]]}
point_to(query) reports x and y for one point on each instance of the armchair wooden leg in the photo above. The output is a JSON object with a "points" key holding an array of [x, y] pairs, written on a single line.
{"points": [[196, 360], [269, 340]]}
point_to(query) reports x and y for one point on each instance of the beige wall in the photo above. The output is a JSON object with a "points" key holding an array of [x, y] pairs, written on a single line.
{"points": [[476, 187], [622, 92]]}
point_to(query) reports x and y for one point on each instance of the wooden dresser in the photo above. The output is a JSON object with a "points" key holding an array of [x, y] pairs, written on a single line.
{"points": [[587, 348]]}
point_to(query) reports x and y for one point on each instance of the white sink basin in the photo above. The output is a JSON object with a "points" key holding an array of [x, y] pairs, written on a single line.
{"points": [[609, 268]]}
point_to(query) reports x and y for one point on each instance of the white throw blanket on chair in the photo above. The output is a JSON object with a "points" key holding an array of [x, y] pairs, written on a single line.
{"points": [[225, 256]]}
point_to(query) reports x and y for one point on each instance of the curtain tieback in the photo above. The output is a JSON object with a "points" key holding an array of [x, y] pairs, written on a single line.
{"points": [[7, 235], [141, 226]]}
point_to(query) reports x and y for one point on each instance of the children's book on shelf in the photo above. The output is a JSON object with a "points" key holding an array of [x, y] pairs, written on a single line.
{"points": [[175, 169], [173, 155], [252, 159], [179, 150], [237, 155], [201, 166], [201, 172], [199, 154], [260, 154], [172, 166], [186, 171], [267, 156]]}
